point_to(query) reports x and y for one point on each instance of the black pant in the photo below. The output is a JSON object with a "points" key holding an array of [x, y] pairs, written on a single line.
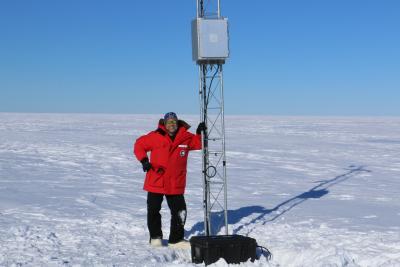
{"points": [[177, 205]]}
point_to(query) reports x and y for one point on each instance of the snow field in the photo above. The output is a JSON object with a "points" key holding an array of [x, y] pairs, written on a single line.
{"points": [[315, 191]]}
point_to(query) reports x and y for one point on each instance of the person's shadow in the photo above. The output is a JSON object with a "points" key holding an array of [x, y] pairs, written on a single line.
{"points": [[268, 215]]}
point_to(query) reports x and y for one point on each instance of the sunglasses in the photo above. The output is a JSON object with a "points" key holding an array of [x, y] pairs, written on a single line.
{"points": [[171, 122]]}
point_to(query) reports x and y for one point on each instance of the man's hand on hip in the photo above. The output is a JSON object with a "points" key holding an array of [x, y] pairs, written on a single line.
{"points": [[146, 164]]}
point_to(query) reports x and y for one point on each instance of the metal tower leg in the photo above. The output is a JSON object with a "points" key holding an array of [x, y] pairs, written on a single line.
{"points": [[213, 157]]}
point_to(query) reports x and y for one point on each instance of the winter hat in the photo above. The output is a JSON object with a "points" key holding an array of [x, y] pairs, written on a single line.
{"points": [[170, 115]]}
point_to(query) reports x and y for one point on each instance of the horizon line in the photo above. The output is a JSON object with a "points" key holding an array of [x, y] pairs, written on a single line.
{"points": [[195, 114]]}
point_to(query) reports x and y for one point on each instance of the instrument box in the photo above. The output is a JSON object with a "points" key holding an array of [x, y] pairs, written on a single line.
{"points": [[232, 248], [210, 40]]}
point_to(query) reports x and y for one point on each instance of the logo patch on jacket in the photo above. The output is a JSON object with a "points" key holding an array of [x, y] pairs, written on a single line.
{"points": [[182, 153], [185, 146]]}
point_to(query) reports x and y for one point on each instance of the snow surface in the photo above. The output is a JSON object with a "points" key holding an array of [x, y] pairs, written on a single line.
{"points": [[315, 191]]}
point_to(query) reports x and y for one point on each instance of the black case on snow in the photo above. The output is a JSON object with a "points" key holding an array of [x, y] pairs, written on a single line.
{"points": [[232, 248]]}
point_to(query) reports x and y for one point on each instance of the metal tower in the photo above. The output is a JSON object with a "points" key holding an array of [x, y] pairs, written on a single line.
{"points": [[210, 49]]}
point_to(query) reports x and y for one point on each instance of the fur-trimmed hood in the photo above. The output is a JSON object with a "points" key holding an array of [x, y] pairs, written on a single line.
{"points": [[181, 123]]}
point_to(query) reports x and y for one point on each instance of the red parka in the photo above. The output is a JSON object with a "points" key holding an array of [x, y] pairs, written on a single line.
{"points": [[168, 158]]}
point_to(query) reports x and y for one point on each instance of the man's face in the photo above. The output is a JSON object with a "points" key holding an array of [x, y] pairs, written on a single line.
{"points": [[171, 125]]}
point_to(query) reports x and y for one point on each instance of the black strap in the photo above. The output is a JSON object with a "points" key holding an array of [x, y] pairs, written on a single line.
{"points": [[264, 251]]}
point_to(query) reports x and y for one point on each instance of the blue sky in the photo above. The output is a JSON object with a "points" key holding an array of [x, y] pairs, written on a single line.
{"points": [[310, 57]]}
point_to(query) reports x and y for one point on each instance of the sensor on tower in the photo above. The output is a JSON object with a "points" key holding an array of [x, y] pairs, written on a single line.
{"points": [[210, 40]]}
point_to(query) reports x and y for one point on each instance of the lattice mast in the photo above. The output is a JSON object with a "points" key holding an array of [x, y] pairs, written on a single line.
{"points": [[210, 50]]}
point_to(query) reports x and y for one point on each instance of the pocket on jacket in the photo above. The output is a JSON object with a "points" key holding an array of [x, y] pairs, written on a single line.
{"points": [[155, 179]]}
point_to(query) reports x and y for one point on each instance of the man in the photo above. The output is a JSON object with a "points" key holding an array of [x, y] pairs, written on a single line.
{"points": [[169, 146]]}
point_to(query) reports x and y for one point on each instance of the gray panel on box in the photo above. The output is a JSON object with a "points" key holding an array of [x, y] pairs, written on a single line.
{"points": [[210, 39]]}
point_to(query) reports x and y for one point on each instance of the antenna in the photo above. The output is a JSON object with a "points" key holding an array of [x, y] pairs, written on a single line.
{"points": [[210, 43], [210, 50]]}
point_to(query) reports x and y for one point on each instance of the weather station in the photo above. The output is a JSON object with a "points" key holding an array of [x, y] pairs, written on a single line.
{"points": [[210, 50]]}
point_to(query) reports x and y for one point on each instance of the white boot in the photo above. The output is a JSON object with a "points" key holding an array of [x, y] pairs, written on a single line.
{"points": [[183, 244], [156, 242]]}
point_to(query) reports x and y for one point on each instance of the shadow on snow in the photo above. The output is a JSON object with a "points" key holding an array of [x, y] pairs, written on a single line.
{"points": [[234, 216]]}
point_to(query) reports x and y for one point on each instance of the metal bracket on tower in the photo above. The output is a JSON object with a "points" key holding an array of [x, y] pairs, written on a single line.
{"points": [[210, 50]]}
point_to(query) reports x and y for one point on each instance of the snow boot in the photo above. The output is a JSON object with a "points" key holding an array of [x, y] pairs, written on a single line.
{"points": [[183, 244], [156, 242]]}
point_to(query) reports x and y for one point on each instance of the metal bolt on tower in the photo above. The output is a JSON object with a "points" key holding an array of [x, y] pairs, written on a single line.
{"points": [[210, 50]]}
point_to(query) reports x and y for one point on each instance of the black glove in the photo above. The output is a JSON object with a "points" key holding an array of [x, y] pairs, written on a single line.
{"points": [[201, 128], [146, 164]]}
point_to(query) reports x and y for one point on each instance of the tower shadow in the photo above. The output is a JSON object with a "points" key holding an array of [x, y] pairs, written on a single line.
{"points": [[235, 216]]}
